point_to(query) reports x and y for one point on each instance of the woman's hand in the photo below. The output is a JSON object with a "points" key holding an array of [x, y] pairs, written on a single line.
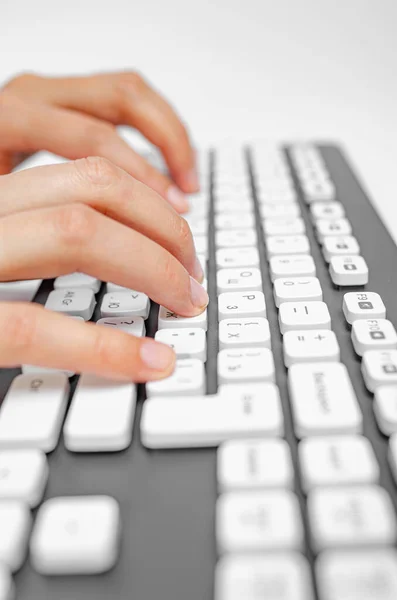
{"points": [[91, 216], [76, 117]]}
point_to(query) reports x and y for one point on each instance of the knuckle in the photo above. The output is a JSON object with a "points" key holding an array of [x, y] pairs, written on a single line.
{"points": [[97, 171], [74, 224], [20, 82], [132, 79], [19, 328], [98, 136]]}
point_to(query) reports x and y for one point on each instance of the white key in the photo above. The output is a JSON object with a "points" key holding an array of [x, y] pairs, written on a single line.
{"points": [[125, 304], [235, 238], [203, 262], [271, 194], [311, 345], [19, 291], [327, 227], [101, 415], [303, 315], [327, 210], [373, 334], [76, 535], [15, 525], [393, 455], [134, 326], [357, 575], [234, 221], [385, 408], [241, 304], [288, 244], [77, 280], [188, 379], [239, 280], [72, 302], [245, 332], [335, 461], [339, 246], [348, 270], [245, 365], [23, 475], [318, 192], [254, 464], [32, 412], [280, 577], [316, 392], [237, 411], [237, 257], [187, 343], [169, 319], [198, 225], [36, 370], [279, 211], [286, 226], [201, 244], [226, 204], [297, 289], [300, 265], [351, 516], [363, 305], [7, 588], [379, 367], [257, 521]]}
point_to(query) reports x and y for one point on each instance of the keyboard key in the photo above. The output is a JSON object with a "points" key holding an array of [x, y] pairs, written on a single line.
{"points": [[72, 302], [76, 535], [7, 588], [234, 221], [187, 343], [348, 270], [198, 225], [297, 289], [237, 257], [276, 193], [351, 516], [288, 244], [379, 367], [254, 464], [316, 391], [393, 455], [235, 238], [300, 265], [385, 408], [19, 291], [77, 280], [241, 304], [318, 191], [286, 226], [169, 319], [15, 525], [246, 332], [327, 210], [201, 244], [312, 345], [279, 211], [303, 315], [125, 304], [32, 412], [336, 461], [363, 305], [188, 379], [101, 415], [23, 476], [258, 521], [339, 246], [327, 227], [373, 334], [357, 575], [237, 411], [245, 365], [280, 577], [239, 280], [36, 370], [133, 326], [232, 204]]}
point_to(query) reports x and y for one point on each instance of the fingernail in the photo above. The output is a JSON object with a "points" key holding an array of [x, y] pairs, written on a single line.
{"points": [[198, 294], [198, 272], [192, 180], [157, 356], [177, 199]]}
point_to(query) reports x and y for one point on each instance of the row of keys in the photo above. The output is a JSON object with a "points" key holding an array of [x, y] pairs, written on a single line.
{"points": [[313, 175]]}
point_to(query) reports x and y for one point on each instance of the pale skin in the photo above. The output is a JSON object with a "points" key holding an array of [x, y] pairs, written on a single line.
{"points": [[93, 215]]}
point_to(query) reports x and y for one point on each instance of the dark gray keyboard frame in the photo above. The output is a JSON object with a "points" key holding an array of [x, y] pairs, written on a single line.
{"points": [[167, 498]]}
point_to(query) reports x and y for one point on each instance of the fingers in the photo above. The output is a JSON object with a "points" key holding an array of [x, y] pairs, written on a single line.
{"points": [[32, 335], [106, 188], [122, 98], [44, 243], [73, 135]]}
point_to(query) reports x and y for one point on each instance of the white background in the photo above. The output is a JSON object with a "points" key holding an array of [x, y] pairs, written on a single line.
{"points": [[244, 69]]}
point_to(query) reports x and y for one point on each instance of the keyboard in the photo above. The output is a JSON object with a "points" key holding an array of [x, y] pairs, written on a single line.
{"points": [[265, 466]]}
